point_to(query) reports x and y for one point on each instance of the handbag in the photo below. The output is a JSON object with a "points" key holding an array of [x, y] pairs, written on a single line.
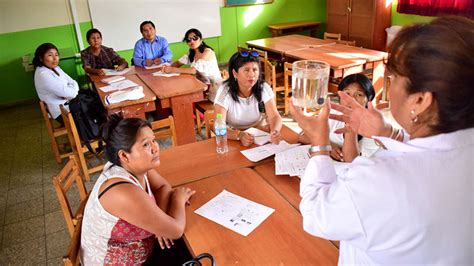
{"points": [[196, 260]]}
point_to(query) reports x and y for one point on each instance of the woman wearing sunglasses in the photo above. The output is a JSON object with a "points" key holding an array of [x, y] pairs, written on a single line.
{"points": [[245, 100], [202, 61]]}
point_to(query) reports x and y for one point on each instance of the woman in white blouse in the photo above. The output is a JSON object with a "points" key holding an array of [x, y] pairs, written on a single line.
{"points": [[411, 203], [202, 61], [53, 85], [245, 100]]}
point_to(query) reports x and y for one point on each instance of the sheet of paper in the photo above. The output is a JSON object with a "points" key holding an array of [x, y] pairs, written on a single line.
{"points": [[234, 212], [259, 153], [156, 66], [161, 74], [113, 72], [119, 85], [261, 137]]}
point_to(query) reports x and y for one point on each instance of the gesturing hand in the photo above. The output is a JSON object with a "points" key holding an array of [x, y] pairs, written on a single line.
{"points": [[365, 122]]}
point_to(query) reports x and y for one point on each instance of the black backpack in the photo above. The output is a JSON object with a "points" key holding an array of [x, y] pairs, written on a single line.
{"points": [[89, 115]]}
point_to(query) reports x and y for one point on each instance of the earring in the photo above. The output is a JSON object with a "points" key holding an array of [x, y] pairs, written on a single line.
{"points": [[414, 120]]}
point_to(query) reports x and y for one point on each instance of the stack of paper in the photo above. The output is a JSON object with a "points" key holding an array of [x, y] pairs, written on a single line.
{"points": [[112, 79], [119, 85], [292, 161], [262, 152], [234, 212], [125, 95]]}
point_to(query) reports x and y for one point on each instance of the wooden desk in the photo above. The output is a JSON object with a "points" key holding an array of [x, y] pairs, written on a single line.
{"points": [[198, 160], [135, 108], [297, 26], [279, 240], [179, 93], [278, 46]]}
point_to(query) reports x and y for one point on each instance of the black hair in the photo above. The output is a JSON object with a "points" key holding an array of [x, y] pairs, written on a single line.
{"points": [[144, 23], [236, 61], [92, 31], [41, 51], [201, 47], [438, 57], [120, 133], [362, 80]]}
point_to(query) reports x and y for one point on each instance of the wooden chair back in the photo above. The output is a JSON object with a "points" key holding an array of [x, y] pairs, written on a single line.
{"points": [[63, 182], [72, 258], [287, 73], [332, 36], [79, 150], [54, 133], [165, 128], [209, 118]]}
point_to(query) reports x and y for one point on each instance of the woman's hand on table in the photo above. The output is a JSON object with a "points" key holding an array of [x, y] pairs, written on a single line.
{"points": [[182, 195], [246, 139]]}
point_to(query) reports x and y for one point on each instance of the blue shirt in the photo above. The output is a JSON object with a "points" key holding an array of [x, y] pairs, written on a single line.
{"points": [[144, 50]]}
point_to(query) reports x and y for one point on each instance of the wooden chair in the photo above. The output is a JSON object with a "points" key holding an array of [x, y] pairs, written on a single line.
{"points": [[288, 72], [332, 36], [201, 107], [79, 150], [209, 118], [53, 133], [165, 128], [62, 183], [72, 257]]}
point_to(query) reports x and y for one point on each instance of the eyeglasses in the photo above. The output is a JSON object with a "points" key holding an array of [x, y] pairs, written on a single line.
{"points": [[249, 53], [195, 38]]}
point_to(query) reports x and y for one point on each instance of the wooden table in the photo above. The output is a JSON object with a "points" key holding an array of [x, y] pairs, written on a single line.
{"points": [[279, 240], [132, 108], [179, 93], [297, 26], [187, 163], [343, 59]]}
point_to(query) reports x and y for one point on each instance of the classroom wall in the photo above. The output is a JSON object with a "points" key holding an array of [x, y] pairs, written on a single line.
{"points": [[25, 24], [405, 19]]}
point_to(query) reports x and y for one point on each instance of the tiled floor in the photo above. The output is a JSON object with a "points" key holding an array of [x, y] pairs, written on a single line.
{"points": [[32, 227]]}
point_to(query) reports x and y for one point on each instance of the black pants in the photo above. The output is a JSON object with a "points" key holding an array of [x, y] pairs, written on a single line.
{"points": [[176, 255], [60, 120]]}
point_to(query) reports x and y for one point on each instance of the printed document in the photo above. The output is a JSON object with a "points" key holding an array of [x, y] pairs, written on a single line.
{"points": [[234, 212], [113, 72], [292, 161], [261, 137], [156, 66], [161, 74], [119, 85], [259, 153]]}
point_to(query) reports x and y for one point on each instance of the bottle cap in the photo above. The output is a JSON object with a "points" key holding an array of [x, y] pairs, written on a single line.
{"points": [[219, 116]]}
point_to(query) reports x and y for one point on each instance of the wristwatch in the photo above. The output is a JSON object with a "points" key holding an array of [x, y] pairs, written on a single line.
{"points": [[320, 148]]}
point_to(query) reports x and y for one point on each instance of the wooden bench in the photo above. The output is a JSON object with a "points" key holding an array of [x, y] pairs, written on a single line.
{"points": [[292, 27]]}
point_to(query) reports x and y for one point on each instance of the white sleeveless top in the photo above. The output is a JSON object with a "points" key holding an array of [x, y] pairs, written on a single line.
{"points": [[107, 239]]}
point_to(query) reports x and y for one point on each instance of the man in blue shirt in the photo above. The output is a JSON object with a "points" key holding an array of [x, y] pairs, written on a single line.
{"points": [[151, 49]]}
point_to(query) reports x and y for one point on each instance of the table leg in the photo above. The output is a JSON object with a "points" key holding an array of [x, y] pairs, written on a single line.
{"points": [[183, 118]]}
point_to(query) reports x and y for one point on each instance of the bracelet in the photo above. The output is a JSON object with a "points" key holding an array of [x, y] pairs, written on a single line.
{"points": [[320, 148]]}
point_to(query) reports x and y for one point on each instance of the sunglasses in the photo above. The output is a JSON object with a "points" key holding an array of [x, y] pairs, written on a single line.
{"points": [[195, 38], [249, 53]]}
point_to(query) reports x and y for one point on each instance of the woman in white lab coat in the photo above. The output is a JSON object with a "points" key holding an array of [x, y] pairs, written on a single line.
{"points": [[411, 203]]}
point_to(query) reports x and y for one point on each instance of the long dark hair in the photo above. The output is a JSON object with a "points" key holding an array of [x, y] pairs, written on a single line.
{"points": [[120, 133], [40, 51], [363, 81], [235, 62], [438, 57], [201, 47]]}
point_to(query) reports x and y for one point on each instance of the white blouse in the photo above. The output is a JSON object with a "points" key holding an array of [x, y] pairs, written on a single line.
{"points": [[245, 112], [208, 68], [53, 89], [409, 204]]}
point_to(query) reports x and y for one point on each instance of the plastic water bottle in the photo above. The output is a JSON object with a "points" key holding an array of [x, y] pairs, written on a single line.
{"points": [[220, 129]]}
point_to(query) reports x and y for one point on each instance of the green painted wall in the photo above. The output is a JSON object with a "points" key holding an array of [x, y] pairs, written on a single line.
{"points": [[404, 19], [238, 25]]}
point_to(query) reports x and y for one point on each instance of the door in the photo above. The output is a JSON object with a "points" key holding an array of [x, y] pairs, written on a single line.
{"points": [[361, 22], [338, 18]]}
